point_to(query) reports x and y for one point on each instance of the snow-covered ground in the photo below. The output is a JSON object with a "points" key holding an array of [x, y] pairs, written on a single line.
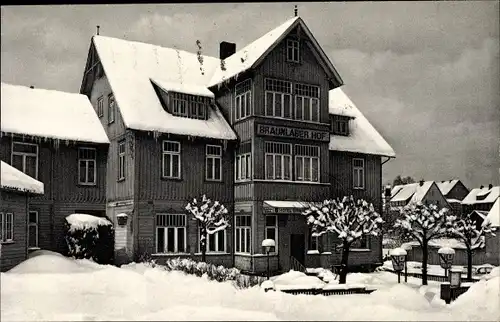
{"points": [[52, 287], [416, 267]]}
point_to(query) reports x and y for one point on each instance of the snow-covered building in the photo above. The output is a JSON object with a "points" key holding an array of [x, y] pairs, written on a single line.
{"points": [[493, 241], [57, 139], [426, 192], [481, 198], [454, 191], [16, 189], [263, 130]]}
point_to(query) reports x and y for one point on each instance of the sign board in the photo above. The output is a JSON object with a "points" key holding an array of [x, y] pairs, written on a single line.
{"points": [[278, 210], [292, 133]]}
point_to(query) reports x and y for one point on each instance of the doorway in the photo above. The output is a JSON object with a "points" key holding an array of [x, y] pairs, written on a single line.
{"points": [[297, 247]]}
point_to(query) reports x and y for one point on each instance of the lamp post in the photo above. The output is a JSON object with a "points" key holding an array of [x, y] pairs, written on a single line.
{"points": [[267, 244], [455, 277], [398, 256], [406, 247], [446, 255]]}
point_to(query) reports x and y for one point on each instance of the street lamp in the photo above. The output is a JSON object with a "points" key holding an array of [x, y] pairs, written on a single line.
{"points": [[398, 256], [446, 255], [267, 244]]}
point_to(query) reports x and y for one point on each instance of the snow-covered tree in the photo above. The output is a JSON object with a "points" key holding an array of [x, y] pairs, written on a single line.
{"points": [[211, 216], [423, 223], [471, 233], [349, 219]]}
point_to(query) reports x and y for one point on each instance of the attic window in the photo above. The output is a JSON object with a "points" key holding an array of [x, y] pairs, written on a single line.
{"points": [[190, 106], [482, 196], [292, 50], [339, 125]]}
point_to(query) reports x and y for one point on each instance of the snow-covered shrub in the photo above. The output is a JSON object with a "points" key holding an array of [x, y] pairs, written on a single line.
{"points": [[89, 237]]}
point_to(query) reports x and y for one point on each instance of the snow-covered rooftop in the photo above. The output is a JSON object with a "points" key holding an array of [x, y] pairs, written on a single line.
{"points": [[363, 137], [13, 179], [453, 201], [415, 191], [490, 195], [494, 214], [446, 186], [130, 66], [85, 221], [186, 88], [49, 114]]}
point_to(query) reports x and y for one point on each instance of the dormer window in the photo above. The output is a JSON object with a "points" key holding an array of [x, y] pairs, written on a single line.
{"points": [[292, 50], [339, 125], [191, 106]]}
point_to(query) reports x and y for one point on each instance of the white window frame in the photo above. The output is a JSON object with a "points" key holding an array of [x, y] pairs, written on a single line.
{"points": [[111, 108], [4, 231], [358, 174], [281, 157], [87, 162], [176, 221], [33, 224], [216, 237], [310, 155], [293, 46], [243, 164], [100, 106], [244, 245], [308, 94], [24, 155], [279, 95], [213, 157], [121, 160], [276, 232], [243, 103], [171, 153], [310, 241]]}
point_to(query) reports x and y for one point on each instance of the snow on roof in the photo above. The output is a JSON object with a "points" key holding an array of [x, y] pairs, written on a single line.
{"points": [[494, 214], [192, 89], [245, 58], [286, 204], [363, 137], [13, 179], [439, 243], [446, 186], [395, 189], [491, 195], [453, 200], [84, 221], [130, 66], [49, 114], [415, 191]]}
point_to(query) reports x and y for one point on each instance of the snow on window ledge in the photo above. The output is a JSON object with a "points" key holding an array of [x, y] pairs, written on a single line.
{"points": [[6, 242], [313, 252], [33, 248], [255, 255], [170, 254], [213, 253], [360, 250], [326, 253]]}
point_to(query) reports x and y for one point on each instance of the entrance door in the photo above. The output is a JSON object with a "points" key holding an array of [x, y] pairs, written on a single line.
{"points": [[298, 247]]}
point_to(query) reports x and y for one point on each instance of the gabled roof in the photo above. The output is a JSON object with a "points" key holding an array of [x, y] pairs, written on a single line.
{"points": [[13, 179], [131, 66], [413, 192], [363, 137], [446, 186], [49, 114], [494, 214], [490, 195], [251, 55]]}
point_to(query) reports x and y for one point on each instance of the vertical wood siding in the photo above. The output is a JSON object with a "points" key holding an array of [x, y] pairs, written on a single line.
{"points": [[16, 251]]}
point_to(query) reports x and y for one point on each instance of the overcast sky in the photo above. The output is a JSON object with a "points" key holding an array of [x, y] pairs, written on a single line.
{"points": [[426, 74]]}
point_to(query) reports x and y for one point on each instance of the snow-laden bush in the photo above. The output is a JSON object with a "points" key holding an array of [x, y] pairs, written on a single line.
{"points": [[89, 237]]}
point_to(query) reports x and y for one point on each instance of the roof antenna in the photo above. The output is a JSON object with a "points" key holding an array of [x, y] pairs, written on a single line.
{"points": [[98, 29], [296, 11]]}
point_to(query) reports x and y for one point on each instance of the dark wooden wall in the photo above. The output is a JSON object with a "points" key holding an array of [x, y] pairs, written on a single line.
{"points": [[16, 251]]}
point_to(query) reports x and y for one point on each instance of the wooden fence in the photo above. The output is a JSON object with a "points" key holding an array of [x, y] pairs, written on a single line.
{"points": [[357, 290], [449, 293]]}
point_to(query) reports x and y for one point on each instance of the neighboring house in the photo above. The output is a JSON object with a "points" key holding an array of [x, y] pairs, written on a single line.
{"points": [[56, 138], [16, 229], [263, 130], [493, 240], [481, 198], [426, 192], [454, 191]]}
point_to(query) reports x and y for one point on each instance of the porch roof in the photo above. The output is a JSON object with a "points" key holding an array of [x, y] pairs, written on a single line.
{"points": [[288, 206]]}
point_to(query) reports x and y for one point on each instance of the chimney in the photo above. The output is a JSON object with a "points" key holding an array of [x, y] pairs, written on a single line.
{"points": [[226, 49], [490, 186], [32, 87], [388, 191], [421, 183], [481, 187], [296, 11]]}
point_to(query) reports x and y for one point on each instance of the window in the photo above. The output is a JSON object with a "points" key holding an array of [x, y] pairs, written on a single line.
{"points": [[306, 163], [33, 229], [111, 108], [362, 243], [278, 98], [213, 162], [278, 161], [171, 161], [170, 233], [272, 230], [292, 50], [7, 227], [25, 158], [191, 106], [86, 166], [358, 172], [243, 100], [307, 102], [242, 233], [216, 243], [121, 160], [340, 126], [100, 106], [313, 241], [243, 166]]}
